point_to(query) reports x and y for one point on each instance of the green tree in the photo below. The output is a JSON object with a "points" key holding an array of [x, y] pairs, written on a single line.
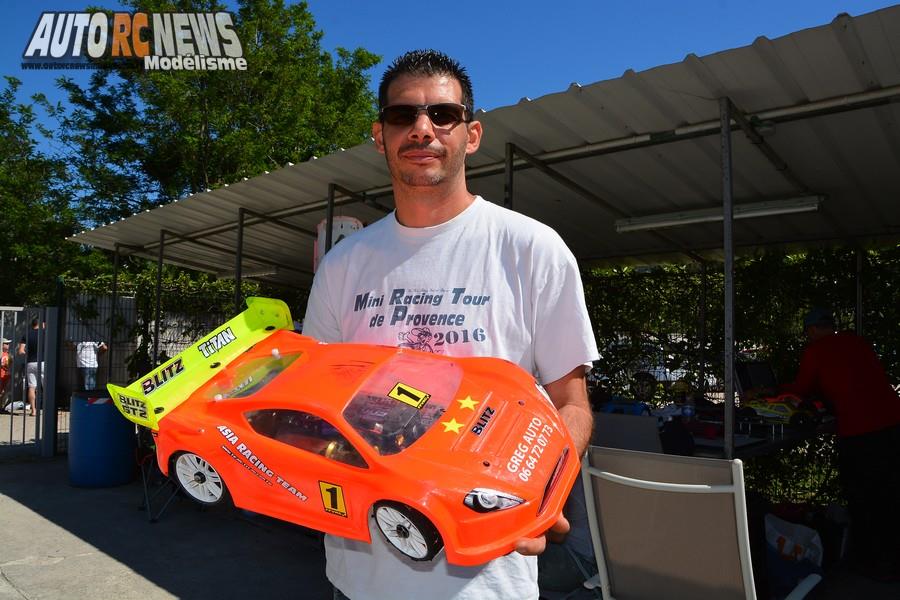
{"points": [[140, 138], [34, 202]]}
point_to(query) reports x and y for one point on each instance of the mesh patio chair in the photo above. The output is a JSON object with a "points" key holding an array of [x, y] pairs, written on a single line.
{"points": [[669, 527]]}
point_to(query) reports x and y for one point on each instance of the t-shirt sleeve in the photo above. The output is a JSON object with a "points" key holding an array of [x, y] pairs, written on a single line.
{"points": [[563, 335], [321, 320]]}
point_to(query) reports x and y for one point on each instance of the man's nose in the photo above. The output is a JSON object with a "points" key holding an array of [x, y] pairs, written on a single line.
{"points": [[422, 127]]}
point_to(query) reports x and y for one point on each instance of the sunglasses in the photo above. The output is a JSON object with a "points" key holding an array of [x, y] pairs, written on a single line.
{"points": [[445, 114]]}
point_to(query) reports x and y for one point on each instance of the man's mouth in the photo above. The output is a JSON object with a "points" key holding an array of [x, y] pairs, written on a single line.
{"points": [[419, 155]]}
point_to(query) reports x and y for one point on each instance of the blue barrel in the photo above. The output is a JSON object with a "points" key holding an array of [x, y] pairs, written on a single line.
{"points": [[101, 442]]}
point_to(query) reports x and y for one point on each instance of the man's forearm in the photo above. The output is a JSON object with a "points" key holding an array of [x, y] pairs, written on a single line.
{"points": [[569, 395], [580, 422]]}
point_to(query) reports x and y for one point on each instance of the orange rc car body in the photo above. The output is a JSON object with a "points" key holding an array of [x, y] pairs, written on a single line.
{"points": [[464, 454]]}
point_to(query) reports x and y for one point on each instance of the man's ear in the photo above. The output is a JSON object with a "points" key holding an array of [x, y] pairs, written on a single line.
{"points": [[378, 136], [474, 141]]}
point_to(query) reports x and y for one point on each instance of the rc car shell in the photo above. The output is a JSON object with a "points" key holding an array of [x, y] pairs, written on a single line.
{"points": [[784, 408], [321, 434]]}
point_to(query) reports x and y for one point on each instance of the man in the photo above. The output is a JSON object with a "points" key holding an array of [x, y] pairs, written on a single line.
{"points": [[29, 346], [468, 277], [843, 370], [87, 363]]}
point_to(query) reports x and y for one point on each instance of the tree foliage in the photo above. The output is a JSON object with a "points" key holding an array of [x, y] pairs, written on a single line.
{"points": [[35, 209], [636, 311], [139, 138]]}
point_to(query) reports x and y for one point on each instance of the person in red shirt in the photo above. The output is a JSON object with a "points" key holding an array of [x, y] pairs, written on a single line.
{"points": [[842, 369], [4, 374]]}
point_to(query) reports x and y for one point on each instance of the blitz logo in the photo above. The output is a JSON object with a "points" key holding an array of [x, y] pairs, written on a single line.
{"points": [[216, 342], [483, 420], [133, 406], [162, 377]]}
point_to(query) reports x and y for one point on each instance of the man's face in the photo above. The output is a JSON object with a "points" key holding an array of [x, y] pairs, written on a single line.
{"points": [[423, 154]]}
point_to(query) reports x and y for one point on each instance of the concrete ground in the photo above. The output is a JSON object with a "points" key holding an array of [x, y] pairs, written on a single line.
{"points": [[18, 429], [58, 541]]}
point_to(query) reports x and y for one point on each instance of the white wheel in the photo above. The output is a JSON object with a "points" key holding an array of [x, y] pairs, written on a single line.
{"points": [[408, 531], [199, 479]]}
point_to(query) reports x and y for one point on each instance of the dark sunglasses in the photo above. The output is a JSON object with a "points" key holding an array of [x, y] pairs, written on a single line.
{"points": [[445, 114]]}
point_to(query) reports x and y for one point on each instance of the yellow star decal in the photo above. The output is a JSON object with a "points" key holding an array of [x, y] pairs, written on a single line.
{"points": [[452, 425], [467, 402]]}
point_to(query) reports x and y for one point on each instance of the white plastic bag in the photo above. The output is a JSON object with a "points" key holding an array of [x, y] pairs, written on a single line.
{"points": [[793, 541]]}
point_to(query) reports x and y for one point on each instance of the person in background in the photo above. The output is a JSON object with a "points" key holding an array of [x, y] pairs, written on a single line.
{"points": [[30, 347], [87, 363], [842, 369], [5, 367], [500, 284]]}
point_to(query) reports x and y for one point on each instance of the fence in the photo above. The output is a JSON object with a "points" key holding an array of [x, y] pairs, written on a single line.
{"points": [[85, 345], [30, 361]]}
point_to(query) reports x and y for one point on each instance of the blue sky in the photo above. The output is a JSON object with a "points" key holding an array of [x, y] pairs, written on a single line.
{"points": [[511, 48]]}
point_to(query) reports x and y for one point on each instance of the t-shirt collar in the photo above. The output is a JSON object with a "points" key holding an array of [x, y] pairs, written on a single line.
{"points": [[459, 220]]}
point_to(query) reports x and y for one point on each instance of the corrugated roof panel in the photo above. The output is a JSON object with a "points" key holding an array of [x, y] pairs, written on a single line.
{"points": [[852, 157]]}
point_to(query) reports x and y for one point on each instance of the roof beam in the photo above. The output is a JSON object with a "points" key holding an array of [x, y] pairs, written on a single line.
{"points": [[585, 193], [787, 114], [228, 250]]}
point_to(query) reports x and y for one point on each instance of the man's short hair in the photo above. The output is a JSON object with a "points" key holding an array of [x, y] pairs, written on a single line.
{"points": [[426, 63], [818, 317]]}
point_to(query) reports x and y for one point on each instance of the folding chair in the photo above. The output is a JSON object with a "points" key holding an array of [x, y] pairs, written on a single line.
{"points": [[670, 527]]}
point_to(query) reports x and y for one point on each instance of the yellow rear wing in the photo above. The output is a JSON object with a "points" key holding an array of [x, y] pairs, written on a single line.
{"points": [[154, 395]]}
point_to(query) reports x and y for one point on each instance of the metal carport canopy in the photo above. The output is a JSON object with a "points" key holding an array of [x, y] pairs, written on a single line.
{"points": [[822, 114]]}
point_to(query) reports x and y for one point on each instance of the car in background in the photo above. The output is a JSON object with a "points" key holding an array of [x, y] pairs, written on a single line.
{"points": [[787, 409]]}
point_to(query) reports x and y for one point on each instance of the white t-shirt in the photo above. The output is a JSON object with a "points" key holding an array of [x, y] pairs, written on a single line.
{"points": [[489, 282], [86, 354]]}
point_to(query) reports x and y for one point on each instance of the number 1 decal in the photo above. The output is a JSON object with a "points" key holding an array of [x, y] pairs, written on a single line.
{"points": [[407, 394], [333, 498]]}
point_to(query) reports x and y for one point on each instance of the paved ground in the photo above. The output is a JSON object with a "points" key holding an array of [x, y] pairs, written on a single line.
{"points": [[17, 428], [58, 541]]}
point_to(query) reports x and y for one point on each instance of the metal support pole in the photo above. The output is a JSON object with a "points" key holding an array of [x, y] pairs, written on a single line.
{"points": [[112, 315], [14, 374], [860, 263], [704, 284], [329, 217], [238, 263], [508, 184], [48, 396], [159, 269], [728, 242]]}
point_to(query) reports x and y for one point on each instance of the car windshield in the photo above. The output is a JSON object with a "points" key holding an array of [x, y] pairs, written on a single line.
{"points": [[402, 400], [250, 376]]}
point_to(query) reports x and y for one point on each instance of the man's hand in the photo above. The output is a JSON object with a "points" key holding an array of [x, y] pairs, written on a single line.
{"points": [[535, 546]]}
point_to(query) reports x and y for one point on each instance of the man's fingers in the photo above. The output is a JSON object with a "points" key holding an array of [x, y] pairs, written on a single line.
{"points": [[532, 546], [559, 530], [556, 533]]}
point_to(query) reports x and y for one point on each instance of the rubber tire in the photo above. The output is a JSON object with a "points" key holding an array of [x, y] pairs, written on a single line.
{"points": [[415, 522], [222, 499]]}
